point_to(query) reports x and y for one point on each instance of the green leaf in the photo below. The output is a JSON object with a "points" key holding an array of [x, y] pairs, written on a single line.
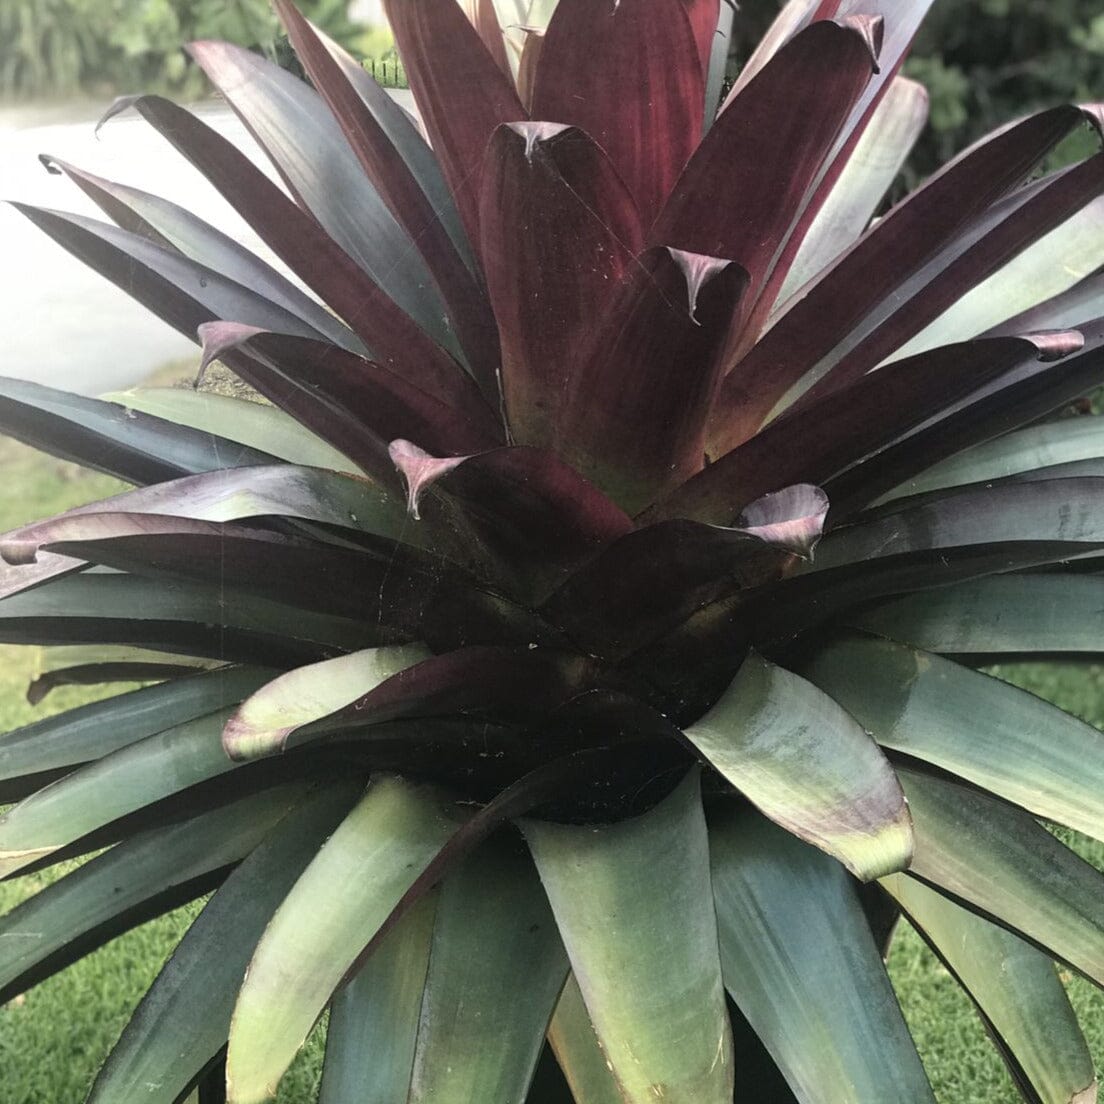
{"points": [[799, 960], [1016, 990], [90, 732], [1001, 614], [256, 425], [120, 783], [496, 969], [999, 860], [634, 906], [264, 723], [977, 727], [866, 178], [331, 914], [578, 1050], [1050, 266], [1039, 446], [142, 877], [189, 618], [373, 1027], [184, 1019], [806, 764]]}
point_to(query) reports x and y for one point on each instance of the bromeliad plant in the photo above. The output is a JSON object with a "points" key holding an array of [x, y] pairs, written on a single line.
{"points": [[497, 692]]}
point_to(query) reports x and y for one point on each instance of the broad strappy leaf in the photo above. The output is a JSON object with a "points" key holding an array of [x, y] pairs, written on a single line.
{"points": [[633, 906], [799, 960]]}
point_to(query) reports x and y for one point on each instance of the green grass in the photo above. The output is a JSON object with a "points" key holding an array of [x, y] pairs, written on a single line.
{"points": [[53, 1038]]}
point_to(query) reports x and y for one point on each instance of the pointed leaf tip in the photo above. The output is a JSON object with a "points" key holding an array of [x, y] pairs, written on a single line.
{"points": [[116, 107], [871, 28], [698, 270], [792, 518], [420, 470], [217, 338], [535, 133]]}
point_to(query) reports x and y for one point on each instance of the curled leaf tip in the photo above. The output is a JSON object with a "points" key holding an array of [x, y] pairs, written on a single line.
{"points": [[698, 270], [1056, 344], [217, 338], [117, 107], [534, 133], [50, 163], [792, 518], [871, 29], [420, 470]]}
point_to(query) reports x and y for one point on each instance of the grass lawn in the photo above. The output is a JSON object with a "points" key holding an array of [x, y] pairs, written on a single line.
{"points": [[53, 1038]]}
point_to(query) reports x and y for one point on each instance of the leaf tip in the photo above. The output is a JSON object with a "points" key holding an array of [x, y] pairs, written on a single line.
{"points": [[420, 470]]}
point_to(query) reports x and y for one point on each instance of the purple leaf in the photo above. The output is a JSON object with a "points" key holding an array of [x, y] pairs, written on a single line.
{"points": [[559, 230], [819, 441], [811, 331], [463, 102], [635, 419], [391, 335], [703, 15], [643, 104], [531, 513], [745, 187], [404, 195], [379, 401]]}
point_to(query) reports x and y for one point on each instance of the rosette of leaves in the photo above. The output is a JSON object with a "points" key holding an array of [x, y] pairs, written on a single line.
{"points": [[588, 629]]}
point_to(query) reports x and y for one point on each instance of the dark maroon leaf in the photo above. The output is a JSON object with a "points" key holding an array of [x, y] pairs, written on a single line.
{"points": [[502, 685], [634, 422], [922, 301], [820, 440], [745, 187], [486, 23], [653, 579], [913, 233], [462, 102], [401, 190], [703, 15], [374, 398], [649, 83], [138, 212], [1025, 395], [899, 24], [300, 242], [559, 230], [535, 515], [528, 64]]}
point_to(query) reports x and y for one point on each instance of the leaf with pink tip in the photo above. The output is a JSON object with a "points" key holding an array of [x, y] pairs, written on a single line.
{"points": [[822, 439], [643, 104], [380, 401], [462, 102], [420, 470], [792, 518], [531, 511], [634, 421], [559, 230], [746, 185], [303, 139]]}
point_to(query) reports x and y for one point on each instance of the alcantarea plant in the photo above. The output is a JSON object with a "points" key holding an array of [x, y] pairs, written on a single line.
{"points": [[523, 709]]}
